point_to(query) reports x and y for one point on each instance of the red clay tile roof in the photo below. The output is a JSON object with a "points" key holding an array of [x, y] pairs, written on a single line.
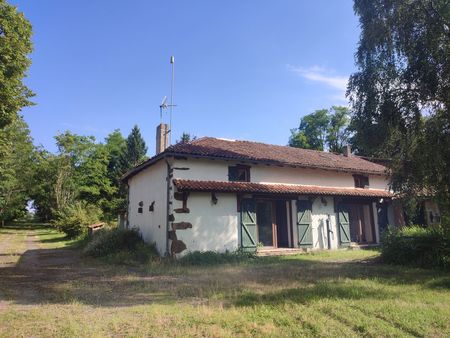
{"points": [[274, 154], [246, 151], [262, 188]]}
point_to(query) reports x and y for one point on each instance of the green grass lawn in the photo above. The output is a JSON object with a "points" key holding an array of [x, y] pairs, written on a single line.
{"points": [[51, 291]]}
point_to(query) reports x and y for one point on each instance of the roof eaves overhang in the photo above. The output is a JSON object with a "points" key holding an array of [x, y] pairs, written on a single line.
{"points": [[276, 189]]}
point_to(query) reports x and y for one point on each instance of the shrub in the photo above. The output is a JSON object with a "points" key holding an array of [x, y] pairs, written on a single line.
{"points": [[214, 258], [418, 246], [74, 219], [120, 245]]}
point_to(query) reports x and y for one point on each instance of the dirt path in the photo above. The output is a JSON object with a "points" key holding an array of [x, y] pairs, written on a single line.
{"points": [[28, 270]]}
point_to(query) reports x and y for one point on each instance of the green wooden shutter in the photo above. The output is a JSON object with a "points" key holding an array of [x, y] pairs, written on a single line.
{"points": [[248, 225], [232, 174], [304, 230], [344, 226]]}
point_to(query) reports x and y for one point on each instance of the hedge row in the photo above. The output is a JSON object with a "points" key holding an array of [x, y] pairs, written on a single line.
{"points": [[417, 246]]}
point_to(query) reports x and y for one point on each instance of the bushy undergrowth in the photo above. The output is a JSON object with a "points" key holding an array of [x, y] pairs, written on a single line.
{"points": [[74, 219], [120, 246], [213, 258], [417, 246]]}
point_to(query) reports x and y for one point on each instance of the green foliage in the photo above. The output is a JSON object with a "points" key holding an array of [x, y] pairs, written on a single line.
{"points": [[323, 129], [60, 178], [186, 138], [74, 219], [42, 192], [94, 184], [16, 167], [115, 145], [120, 246], [216, 258], [85, 171], [311, 133], [338, 133], [400, 94], [15, 45], [135, 151], [418, 246], [116, 202]]}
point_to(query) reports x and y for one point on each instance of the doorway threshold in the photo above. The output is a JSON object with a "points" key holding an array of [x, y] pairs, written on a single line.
{"points": [[280, 251], [359, 246]]}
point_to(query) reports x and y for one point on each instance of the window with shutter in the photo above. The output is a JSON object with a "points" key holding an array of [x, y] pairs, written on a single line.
{"points": [[239, 173], [361, 181]]}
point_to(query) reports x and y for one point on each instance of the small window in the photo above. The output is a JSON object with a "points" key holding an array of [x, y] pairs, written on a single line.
{"points": [[239, 173], [361, 181]]}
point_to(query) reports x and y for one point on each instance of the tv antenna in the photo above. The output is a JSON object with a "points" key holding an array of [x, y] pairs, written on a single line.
{"points": [[163, 106]]}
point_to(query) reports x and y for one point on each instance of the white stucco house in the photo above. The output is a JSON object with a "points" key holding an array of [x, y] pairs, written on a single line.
{"points": [[217, 194]]}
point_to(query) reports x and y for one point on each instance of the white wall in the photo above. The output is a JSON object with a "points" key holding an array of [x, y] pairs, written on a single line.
{"points": [[209, 170], [214, 226], [148, 186], [320, 213], [319, 216]]}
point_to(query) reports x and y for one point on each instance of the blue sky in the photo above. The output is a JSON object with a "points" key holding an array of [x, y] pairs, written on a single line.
{"points": [[245, 69]]}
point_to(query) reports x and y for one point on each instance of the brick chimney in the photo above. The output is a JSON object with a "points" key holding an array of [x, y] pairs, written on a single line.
{"points": [[348, 150], [162, 137]]}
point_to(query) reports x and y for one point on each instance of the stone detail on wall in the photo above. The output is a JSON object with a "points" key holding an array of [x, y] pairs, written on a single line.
{"points": [[181, 225], [172, 235], [177, 246], [182, 211], [180, 196]]}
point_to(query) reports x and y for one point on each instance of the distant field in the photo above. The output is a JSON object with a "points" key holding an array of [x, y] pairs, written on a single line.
{"points": [[47, 289]]}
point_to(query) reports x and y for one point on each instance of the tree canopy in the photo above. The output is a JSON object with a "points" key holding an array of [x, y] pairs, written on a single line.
{"points": [[400, 94], [136, 149], [186, 138], [15, 46], [16, 168], [322, 129]]}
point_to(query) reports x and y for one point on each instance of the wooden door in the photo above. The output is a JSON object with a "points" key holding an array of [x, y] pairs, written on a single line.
{"points": [[304, 224], [265, 214], [249, 234], [344, 226]]}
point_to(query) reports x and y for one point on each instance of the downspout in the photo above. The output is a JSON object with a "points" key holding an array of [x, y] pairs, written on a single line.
{"points": [[169, 175], [126, 220], [329, 231]]}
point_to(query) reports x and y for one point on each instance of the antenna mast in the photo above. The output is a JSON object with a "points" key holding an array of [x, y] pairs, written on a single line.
{"points": [[164, 104], [172, 62]]}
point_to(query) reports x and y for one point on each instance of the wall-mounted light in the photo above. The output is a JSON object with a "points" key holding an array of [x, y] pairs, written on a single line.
{"points": [[151, 207], [213, 198]]}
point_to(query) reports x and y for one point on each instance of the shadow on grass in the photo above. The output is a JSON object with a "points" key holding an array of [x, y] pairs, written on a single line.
{"points": [[439, 283], [305, 295], [26, 226], [55, 239]]}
